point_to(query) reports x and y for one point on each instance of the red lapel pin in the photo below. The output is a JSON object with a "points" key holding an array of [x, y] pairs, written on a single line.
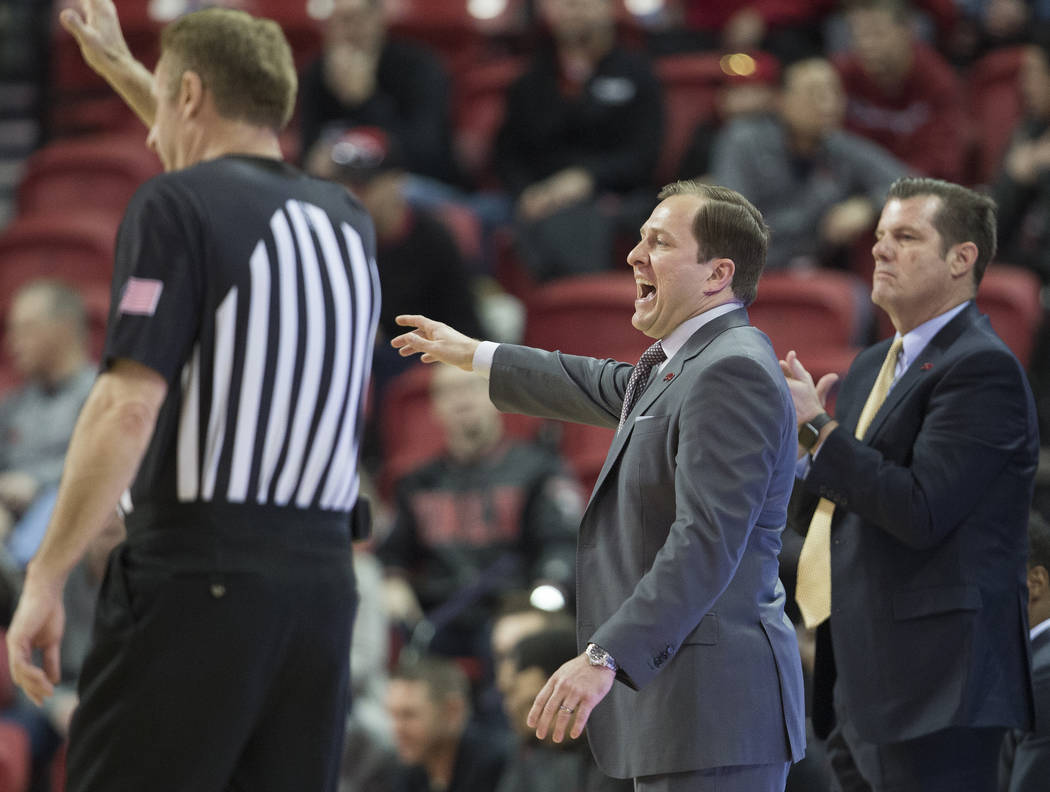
{"points": [[926, 366], [669, 377]]}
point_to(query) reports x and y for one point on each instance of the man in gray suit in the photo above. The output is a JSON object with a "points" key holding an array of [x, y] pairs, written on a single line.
{"points": [[677, 591]]}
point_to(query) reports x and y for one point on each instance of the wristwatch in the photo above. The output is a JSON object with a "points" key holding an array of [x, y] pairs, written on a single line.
{"points": [[597, 656], [809, 432]]}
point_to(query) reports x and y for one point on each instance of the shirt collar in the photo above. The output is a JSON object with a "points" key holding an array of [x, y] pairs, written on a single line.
{"points": [[1039, 629], [676, 339], [916, 340]]}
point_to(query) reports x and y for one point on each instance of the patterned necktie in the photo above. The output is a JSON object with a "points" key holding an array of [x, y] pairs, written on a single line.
{"points": [[653, 356], [813, 584]]}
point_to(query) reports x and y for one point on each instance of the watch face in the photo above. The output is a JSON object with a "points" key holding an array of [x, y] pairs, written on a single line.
{"points": [[807, 435]]}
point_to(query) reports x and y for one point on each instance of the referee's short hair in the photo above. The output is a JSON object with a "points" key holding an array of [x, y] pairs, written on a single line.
{"points": [[244, 61]]}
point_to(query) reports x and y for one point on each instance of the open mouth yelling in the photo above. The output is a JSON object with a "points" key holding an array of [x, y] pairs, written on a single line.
{"points": [[646, 292]]}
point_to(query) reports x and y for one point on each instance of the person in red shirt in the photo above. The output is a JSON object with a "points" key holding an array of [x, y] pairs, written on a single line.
{"points": [[901, 93]]}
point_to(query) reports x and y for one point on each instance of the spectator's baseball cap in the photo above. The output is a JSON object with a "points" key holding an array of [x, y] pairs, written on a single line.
{"points": [[363, 152]]}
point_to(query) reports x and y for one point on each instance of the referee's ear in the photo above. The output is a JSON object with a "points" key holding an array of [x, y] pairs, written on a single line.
{"points": [[191, 94]]}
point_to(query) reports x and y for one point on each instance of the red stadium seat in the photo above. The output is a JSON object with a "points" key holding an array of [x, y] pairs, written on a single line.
{"points": [[14, 757], [479, 99], [808, 311], [995, 108], [459, 31], [75, 247], [814, 314], [101, 172], [1010, 297], [691, 83], [586, 315]]}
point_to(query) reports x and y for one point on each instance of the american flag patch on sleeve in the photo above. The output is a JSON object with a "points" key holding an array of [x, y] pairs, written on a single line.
{"points": [[141, 296]]}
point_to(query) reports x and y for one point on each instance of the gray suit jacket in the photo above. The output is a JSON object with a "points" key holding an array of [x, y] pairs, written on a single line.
{"points": [[677, 557]]}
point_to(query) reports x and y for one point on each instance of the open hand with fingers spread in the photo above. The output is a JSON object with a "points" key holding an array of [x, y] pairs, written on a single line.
{"points": [[435, 342]]}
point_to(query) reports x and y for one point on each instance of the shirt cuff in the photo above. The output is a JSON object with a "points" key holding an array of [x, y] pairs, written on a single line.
{"points": [[483, 355], [802, 466]]}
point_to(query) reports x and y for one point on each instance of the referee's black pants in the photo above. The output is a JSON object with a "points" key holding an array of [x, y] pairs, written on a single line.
{"points": [[217, 665]]}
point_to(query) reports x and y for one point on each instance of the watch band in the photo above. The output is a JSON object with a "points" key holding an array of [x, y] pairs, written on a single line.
{"points": [[809, 432], [597, 656]]}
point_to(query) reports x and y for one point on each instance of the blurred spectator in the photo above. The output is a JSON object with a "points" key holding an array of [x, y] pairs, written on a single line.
{"points": [[491, 514], [818, 186], [1025, 759], [419, 263], [362, 78], [753, 93], [46, 338], [546, 766], [580, 137], [985, 25], [901, 93], [1022, 191], [429, 705], [369, 758], [790, 29], [518, 617]]}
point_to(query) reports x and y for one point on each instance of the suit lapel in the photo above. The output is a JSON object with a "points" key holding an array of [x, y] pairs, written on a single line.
{"points": [[923, 366], [671, 372]]}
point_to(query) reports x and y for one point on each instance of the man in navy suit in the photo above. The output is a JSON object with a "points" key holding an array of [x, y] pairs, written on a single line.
{"points": [[1024, 763], [923, 663]]}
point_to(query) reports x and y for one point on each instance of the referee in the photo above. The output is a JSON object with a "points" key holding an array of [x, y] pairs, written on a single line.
{"points": [[226, 421]]}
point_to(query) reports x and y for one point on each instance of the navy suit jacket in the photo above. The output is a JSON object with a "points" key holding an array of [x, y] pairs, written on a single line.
{"points": [[929, 541], [677, 555]]}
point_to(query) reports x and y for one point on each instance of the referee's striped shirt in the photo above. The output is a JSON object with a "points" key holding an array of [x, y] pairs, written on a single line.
{"points": [[252, 289]]}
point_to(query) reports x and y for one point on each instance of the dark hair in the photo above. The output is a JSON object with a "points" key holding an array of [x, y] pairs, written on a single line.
{"points": [[244, 61], [547, 650], [442, 677], [963, 216], [1038, 541], [727, 225]]}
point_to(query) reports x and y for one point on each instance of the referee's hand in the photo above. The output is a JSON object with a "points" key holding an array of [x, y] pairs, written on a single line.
{"points": [[38, 623], [435, 342], [97, 32]]}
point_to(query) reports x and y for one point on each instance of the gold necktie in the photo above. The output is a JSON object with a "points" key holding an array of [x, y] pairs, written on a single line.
{"points": [[813, 584]]}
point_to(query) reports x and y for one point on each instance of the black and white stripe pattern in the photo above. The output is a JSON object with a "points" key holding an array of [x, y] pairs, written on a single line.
{"points": [[271, 400]]}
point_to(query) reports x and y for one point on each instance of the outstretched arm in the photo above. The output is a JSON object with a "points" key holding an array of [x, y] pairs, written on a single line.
{"points": [[97, 32], [435, 342]]}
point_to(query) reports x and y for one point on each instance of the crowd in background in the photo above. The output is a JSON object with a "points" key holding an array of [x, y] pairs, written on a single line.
{"points": [[467, 582]]}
